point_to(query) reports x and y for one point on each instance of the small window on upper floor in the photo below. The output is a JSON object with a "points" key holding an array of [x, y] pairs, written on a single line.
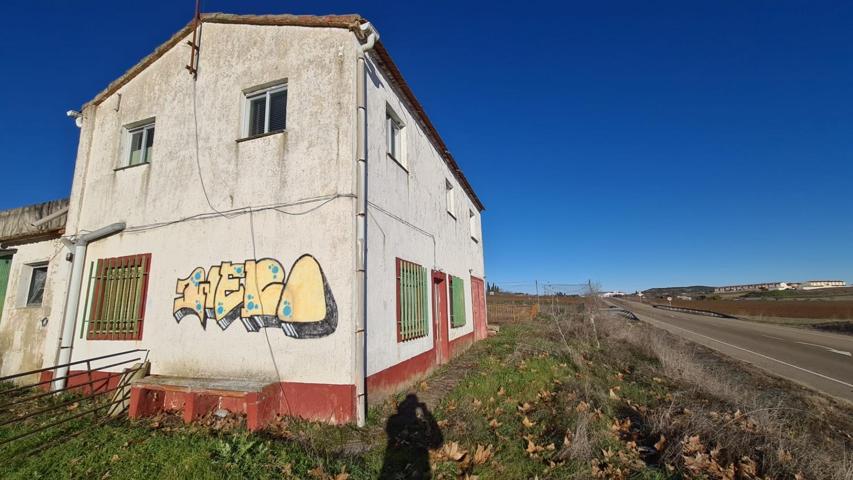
{"points": [[139, 144], [38, 277], [450, 198], [394, 130], [472, 224], [265, 111]]}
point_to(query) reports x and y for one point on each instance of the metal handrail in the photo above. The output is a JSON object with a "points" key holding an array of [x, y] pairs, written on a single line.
{"points": [[54, 367], [84, 372], [68, 402]]}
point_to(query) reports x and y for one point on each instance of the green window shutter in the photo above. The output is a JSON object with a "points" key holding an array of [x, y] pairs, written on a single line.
{"points": [[412, 311], [457, 298], [118, 289]]}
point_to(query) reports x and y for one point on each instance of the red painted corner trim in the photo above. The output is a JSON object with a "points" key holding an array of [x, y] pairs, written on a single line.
{"points": [[317, 401]]}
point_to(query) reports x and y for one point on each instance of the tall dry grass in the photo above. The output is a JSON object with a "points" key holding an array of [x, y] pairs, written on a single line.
{"points": [[738, 414]]}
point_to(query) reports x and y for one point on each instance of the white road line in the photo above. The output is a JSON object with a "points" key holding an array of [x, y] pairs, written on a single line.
{"points": [[765, 356], [840, 352], [777, 338]]}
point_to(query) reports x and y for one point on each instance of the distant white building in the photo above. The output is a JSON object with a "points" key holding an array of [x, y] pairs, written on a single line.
{"points": [[752, 287], [815, 284]]}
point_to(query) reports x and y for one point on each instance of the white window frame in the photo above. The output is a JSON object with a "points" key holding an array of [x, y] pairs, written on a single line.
{"points": [[450, 198], [397, 143], [472, 225], [145, 127], [27, 272], [251, 95]]}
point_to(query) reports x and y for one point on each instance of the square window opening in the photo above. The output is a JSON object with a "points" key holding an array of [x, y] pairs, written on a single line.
{"points": [[117, 293], [35, 291], [394, 131], [472, 225], [265, 111], [139, 141], [412, 305]]}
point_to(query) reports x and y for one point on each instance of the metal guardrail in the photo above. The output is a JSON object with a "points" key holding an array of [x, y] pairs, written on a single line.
{"points": [[694, 311], [622, 312], [31, 409]]}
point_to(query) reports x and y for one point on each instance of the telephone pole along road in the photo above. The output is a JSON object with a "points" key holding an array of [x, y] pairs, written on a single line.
{"points": [[819, 360]]}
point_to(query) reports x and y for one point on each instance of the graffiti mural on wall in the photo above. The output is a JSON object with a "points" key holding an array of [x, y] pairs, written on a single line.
{"points": [[258, 293]]}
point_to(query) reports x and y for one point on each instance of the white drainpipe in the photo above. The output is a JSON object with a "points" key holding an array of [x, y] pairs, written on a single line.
{"points": [[361, 223], [72, 301]]}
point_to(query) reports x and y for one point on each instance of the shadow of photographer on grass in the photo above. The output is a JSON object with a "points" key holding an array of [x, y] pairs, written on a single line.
{"points": [[412, 432]]}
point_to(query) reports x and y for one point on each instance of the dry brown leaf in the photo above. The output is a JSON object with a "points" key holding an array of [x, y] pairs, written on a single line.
{"points": [[582, 407], [660, 443], [482, 454], [494, 423], [524, 408], [527, 423], [501, 392], [692, 445], [613, 395], [453, 451]]}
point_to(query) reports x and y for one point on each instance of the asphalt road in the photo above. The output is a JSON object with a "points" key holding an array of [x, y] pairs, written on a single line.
{"points": [[819, 360]]}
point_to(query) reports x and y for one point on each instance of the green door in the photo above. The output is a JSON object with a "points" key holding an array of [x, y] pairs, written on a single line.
{"points": [[5, 263]]}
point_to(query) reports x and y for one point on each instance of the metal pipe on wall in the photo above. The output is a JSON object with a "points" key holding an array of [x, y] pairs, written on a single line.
{"points": [[361, 222], [72, 301]]}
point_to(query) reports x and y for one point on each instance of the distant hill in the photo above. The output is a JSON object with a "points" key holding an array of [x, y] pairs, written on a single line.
{"points": [[673, 291]]}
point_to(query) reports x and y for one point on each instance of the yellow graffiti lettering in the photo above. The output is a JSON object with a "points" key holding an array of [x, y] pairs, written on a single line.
{"points": [[260, 294]]}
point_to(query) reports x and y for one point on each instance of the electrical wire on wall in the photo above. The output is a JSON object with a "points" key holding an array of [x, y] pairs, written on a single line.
{"points": [[236, 212], [261, 301], [410, 225]]}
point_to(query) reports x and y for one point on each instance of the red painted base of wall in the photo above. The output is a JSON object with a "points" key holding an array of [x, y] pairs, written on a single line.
{"points": [[312, 401], [84, 382], [392, 379], [460, 344]]}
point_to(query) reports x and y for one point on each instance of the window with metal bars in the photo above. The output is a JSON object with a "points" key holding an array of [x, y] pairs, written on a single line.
{"points": [[412, 305], [457, 302], [118, 288]]}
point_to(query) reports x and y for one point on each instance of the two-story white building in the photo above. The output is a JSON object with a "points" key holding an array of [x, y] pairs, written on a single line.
{"points": [[263, 204]]}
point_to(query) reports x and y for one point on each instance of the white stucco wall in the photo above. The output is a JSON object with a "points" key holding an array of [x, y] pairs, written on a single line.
{"points": [[416, 195], [314, 157], [24, 335]]}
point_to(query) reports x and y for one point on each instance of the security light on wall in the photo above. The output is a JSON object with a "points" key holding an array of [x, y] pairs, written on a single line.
{"points": [[77, 116]]}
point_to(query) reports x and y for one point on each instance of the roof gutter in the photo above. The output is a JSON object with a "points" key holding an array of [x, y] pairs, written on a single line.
{"points": [[72, 301]]}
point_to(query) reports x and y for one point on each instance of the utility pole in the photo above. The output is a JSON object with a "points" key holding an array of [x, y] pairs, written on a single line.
{"points": [[536, 282]]}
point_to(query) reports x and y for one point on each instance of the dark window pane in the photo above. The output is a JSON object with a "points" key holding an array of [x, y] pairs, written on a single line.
{"points": [[257, 112], [36, 292], [278, 110]]}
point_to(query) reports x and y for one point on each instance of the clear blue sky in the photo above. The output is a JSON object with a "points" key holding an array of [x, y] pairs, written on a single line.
{"points": [[638, 144]]}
